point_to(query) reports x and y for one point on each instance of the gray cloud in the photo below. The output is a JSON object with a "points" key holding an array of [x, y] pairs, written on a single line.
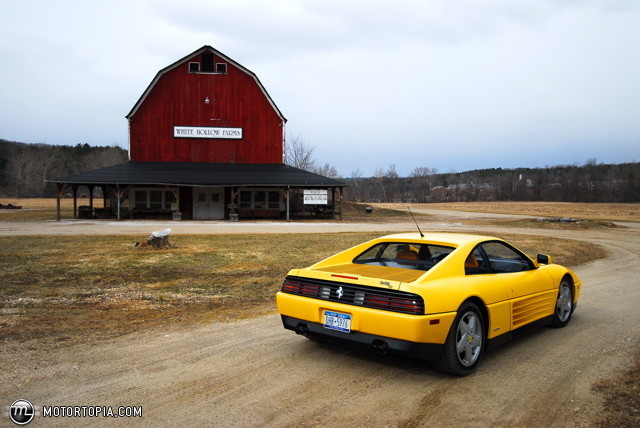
{"points": [[445, 84]]}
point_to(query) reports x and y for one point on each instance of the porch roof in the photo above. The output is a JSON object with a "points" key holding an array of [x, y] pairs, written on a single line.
{"points": [[200, 174]]}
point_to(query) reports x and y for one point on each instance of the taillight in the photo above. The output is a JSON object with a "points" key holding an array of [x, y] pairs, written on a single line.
{"points": [[398, 304], [296, 287]]}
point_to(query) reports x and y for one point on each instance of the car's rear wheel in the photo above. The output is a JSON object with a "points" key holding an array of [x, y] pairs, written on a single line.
{"points": [[465, 343], [564, 305]]}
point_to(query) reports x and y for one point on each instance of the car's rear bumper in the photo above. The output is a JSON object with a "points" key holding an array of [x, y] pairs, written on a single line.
{"points": [[379, 344]]}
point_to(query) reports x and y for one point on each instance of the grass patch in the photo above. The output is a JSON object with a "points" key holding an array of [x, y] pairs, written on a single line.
{"points": [[621, 399], [40, 209], [66, 289], [357, 212], [585, 211], [540, 223]]}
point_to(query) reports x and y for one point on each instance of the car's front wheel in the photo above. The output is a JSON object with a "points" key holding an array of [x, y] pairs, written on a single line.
{"points": [[564, 305], [465, 343]]}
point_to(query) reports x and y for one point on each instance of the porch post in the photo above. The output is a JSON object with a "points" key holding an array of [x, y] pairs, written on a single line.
{"points": [[58, 194], [118, 200], [91, 187], [74, 188], [288, 202]]}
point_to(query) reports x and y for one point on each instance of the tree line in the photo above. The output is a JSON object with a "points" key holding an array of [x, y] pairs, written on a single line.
{"points": [[25, 167], [591, 182]]}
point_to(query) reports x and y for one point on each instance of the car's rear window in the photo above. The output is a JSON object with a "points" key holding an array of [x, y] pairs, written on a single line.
{"points": [[404, 255]]}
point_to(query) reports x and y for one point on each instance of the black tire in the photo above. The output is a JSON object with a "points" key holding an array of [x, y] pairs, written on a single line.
{"points": [[465, 343], [564, 305]]}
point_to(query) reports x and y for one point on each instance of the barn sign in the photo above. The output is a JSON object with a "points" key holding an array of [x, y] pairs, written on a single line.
{"points": [[207, 132], [315, 197]]}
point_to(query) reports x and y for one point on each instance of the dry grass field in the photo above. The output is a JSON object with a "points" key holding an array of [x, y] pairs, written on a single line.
{"points": [[38, 209], [70, 288], [598, 211]]}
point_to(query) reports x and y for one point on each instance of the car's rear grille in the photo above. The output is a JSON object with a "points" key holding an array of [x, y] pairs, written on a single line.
{"points": [[369, 297]]}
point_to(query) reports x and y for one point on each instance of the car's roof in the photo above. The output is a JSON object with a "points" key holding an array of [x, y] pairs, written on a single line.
{"points": [[457, 239]]}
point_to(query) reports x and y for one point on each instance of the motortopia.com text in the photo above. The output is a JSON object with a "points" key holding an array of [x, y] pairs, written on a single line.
{"points": [[91, 412]]}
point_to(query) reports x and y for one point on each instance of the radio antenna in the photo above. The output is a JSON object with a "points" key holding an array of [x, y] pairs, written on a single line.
{"points": [[414, 220]]}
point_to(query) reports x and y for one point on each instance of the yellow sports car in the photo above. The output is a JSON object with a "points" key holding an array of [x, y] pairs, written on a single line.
{"points": [[444, 297]]}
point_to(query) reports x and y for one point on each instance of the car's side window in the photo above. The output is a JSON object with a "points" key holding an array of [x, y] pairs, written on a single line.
{"points": [[504, 259], [476, 263]]}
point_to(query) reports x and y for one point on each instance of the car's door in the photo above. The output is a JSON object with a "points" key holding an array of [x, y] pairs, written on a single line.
{"points": [[516, 270], [531, 291]]}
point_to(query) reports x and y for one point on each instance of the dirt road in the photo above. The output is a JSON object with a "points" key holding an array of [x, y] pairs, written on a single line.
{"points": [[254, 373]]}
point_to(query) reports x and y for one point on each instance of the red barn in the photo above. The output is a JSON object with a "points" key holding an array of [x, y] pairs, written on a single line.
{"points": [[206, 141], [206, 108]]}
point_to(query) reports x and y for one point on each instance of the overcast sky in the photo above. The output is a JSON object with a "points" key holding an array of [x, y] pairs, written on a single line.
{"points": [[448, 84]]}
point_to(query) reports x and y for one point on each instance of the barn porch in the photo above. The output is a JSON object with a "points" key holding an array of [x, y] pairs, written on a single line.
{"points": [[203, 191]]}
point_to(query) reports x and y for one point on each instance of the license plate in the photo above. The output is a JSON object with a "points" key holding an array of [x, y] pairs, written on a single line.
{"points": [[337, 321]]}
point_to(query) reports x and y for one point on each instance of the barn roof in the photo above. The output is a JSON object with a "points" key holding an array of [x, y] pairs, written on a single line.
{"points": [[190, 56], [201, 174]]}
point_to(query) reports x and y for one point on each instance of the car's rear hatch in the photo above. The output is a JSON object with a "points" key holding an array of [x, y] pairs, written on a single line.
{"points": [[373, 274]]}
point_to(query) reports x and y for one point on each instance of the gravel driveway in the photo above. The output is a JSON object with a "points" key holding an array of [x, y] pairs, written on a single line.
{"points": [[254, 373]]}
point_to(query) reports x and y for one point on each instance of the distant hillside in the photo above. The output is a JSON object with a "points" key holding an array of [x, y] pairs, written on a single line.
{"points": [[24, 167], [591, 182]]}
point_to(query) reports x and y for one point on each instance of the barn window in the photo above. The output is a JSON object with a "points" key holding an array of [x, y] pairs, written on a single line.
{"points": [[274, 200], [259, 200], [221, 67], [170, 202], [141, 199], [194, 67], [156, 199], [207, 63], [245, 200]]}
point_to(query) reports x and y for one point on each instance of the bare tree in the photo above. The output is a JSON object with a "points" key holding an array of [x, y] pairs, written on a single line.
{"points": [[327, 171], [21, 171], [424, 182], [49, 158], [392, 172], [298, 154], [101, 158], [356, 188], [379, 178]]}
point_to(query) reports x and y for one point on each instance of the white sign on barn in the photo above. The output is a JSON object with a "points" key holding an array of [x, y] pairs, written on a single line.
{"points": [[315, 197], [207, 132]]}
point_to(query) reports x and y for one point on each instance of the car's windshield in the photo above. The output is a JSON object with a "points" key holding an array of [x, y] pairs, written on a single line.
{"points": [[404, 255]]}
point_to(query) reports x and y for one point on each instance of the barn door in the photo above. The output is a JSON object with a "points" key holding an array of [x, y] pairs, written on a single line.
{"points": [[208, 203]]}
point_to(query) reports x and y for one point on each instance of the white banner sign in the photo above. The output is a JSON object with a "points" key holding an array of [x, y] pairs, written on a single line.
{"points": [[207, 132], [315, 197]]}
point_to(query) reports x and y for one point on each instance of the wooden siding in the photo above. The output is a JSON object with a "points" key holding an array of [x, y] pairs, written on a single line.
{"points": [[178, 99]]}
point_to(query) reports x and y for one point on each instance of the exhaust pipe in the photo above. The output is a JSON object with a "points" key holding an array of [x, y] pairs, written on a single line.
{"points": [[302, 329], [380, 347]]}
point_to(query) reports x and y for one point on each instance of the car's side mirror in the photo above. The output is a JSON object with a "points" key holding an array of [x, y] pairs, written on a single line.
{"points": [[543, 259]]}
